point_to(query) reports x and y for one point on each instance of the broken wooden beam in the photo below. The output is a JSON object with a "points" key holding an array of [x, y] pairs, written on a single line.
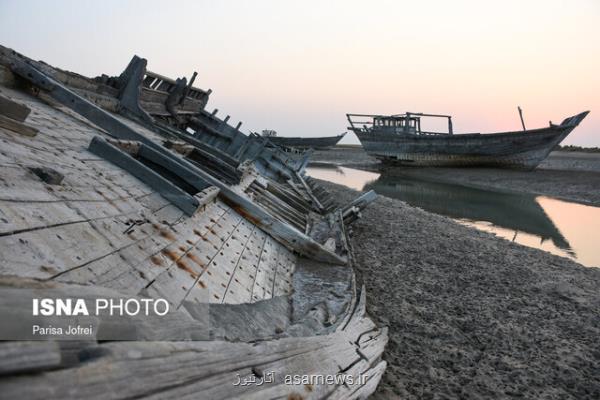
{"points": [[188, 88], [304, 161], [17, 126], [13, 110], [130, 88], [280, 231], [361, 201], [184, 201], [351, 211], [317, 204], [199, 155]]}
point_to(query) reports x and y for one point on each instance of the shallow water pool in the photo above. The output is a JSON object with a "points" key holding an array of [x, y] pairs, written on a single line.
{"points": [[556, 226]]}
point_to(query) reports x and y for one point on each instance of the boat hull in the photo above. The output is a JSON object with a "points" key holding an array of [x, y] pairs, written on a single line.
{"points": [[516, 150], [307, 143]]}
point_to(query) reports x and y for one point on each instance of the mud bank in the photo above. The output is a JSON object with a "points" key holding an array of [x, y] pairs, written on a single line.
{"points": [[471, 315], [566, 175]]}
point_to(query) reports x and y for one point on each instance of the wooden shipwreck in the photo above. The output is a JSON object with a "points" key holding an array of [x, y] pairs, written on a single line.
{"points": [[126, 186], [399, 140]]}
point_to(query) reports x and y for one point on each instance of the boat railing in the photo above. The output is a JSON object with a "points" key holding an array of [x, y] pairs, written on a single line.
{"points": [[358, 122], [433, 133], [161, 83]]}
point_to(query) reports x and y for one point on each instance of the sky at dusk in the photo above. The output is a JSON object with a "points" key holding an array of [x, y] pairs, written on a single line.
{"points": [[298, 67]]}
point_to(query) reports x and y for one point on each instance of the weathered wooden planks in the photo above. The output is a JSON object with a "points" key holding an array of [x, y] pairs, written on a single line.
{"points": [[186, 202], [118, 260], [17, 127], [120, 370], [18, 357], [106, 230], [13, 110], [281, 231]]}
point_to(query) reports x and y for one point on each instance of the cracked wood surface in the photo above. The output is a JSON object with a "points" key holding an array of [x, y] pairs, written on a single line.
{"points": [[79, 231], [101, 230], [199, 369]]}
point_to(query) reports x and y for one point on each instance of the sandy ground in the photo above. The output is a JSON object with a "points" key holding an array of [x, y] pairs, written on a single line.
{"points": [[473, 316], [565, 175]]}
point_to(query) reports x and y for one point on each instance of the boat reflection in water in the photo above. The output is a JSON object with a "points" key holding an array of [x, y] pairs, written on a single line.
{"points": [[552, 225], [516, 212]]}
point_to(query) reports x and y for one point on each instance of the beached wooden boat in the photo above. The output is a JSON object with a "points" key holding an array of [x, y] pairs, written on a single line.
{"points": [[399, 140], [126, 188], [317, 143]]}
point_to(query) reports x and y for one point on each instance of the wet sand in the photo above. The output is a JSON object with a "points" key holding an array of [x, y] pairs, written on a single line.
{"points": [[471, 315], [569, 176]]}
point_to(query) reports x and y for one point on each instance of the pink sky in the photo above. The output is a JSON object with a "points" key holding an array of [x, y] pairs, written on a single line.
{"points": [[299, 67]]}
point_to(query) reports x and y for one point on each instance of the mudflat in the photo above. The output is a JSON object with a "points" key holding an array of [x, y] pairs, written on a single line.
{"points": [[471, 315], [571, 176]]}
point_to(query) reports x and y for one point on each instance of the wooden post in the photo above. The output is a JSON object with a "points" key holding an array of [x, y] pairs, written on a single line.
{"points": [[192, 79], [521, 116], [188, 88], [130, 87], [450, 129]]}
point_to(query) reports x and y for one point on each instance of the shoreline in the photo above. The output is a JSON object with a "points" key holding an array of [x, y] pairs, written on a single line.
{"points": [[471, 314], [566, 176]]}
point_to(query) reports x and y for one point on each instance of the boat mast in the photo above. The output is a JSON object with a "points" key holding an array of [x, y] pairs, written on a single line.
{"points": [[521, 116]]}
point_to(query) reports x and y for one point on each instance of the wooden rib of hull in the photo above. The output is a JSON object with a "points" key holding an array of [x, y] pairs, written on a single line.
{"points": [[518, 150], [134, 221]]}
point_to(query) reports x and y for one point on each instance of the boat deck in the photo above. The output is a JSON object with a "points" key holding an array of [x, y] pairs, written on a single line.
{"points": [[80, 224]]}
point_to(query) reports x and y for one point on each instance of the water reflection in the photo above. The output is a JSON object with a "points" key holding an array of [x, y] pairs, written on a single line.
{"points": [[513, 211], [352, 178], [552, 225]]}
